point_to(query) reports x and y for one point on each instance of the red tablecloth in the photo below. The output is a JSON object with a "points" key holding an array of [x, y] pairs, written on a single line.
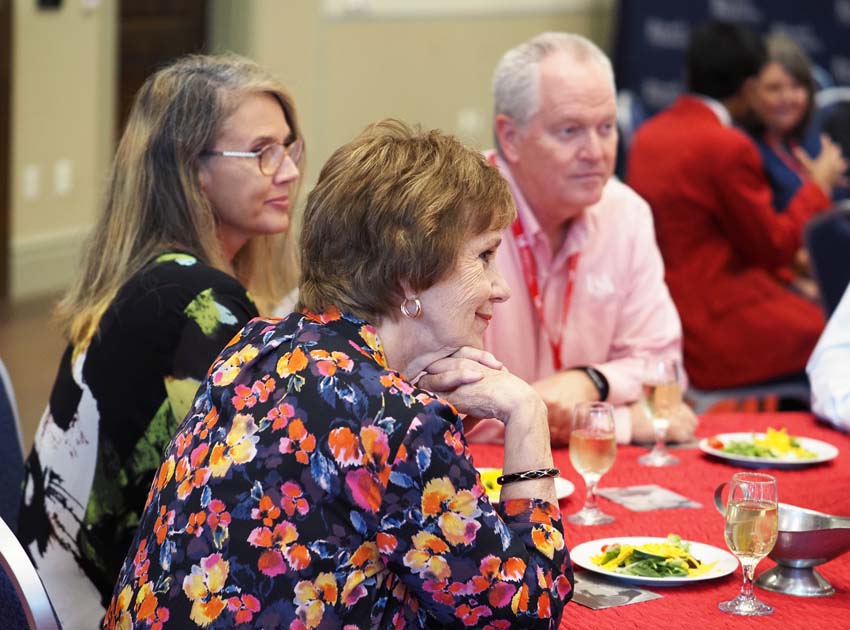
{"points": [[823, 487]]}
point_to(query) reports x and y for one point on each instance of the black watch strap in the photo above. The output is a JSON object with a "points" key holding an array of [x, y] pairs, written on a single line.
{"points": [[598, 378]]}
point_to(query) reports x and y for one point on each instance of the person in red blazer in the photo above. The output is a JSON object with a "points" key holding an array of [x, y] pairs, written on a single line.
{"points": [[720, 237]]}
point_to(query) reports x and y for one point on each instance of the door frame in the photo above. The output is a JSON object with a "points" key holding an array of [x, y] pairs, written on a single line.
{"points": [[6, 8]]}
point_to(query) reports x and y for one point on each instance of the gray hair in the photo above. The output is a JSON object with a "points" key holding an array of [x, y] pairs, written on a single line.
{"points": [[516, 78]]}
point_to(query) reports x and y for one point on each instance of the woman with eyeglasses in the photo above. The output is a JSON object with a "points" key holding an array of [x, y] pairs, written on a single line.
{"points": [[188, 248]]}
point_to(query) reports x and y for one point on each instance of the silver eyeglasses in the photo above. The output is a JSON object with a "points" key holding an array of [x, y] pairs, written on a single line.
{"points": [[270, 157]]}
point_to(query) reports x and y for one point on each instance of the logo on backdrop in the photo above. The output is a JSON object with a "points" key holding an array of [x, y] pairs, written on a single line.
{"points": [[666, 33], [652, 37], [803, 34], [657, 93], [735, 11]]}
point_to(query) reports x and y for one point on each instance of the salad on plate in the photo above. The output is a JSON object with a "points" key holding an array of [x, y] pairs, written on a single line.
{"points": [[775, 444], [671, 558]]}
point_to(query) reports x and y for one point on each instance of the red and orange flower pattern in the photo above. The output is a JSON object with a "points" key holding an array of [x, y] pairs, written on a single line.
{"points": [[311, 486]]}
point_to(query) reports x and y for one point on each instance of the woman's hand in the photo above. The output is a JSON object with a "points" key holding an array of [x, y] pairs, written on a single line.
{"points": [[481, 387], [828, 168], [477, 384]]}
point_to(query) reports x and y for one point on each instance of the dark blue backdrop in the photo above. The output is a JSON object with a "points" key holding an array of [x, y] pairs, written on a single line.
{"points": [[653, 34]]}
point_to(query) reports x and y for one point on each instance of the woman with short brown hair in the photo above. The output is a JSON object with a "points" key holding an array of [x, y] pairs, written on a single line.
{"points": [[314, 484]]}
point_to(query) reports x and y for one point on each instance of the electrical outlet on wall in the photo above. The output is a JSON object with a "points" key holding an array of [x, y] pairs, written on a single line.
{"points": [[31, 184], [63, 177]]}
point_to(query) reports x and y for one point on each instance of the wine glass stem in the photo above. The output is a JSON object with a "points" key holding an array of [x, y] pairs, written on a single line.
{"points": [[660, 436], [590, 481], [749, 569]]}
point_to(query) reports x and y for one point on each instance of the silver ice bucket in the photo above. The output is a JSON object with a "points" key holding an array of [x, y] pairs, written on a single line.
{"points": [[806, 539]]}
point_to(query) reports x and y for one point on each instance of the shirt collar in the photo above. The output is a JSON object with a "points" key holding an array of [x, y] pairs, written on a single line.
{"points": [[717, 107]]}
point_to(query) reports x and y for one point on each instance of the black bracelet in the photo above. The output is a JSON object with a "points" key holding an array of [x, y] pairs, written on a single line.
{"points": [[540, 473], [598, 378]]}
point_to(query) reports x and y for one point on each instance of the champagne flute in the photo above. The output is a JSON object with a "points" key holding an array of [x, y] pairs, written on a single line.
{"points": [[752, 525], [593, 446], [662, 395]]}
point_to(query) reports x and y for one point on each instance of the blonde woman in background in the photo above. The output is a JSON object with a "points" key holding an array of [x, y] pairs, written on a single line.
{"points": [[189, 247]]}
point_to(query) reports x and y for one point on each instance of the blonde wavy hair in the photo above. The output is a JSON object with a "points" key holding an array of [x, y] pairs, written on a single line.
{"points": [[154, 200]]}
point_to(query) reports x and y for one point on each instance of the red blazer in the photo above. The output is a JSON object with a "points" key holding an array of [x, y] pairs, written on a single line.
{"points": [[722, 242]]}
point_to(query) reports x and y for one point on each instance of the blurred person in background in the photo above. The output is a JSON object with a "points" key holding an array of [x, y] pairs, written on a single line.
{"points": [[314, 485], [718, 230], [589, 300], [783, 103], [782, 108], [200, 194]]}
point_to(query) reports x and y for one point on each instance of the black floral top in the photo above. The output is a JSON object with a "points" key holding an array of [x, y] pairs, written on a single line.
{"points": [[312, 487], [114, 406]]}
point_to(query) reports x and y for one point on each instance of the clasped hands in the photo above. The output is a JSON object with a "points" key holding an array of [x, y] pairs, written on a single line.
{"points": [[477, 384]]}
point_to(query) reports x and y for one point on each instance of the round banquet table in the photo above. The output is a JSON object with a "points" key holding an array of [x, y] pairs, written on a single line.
{"points": [[824, 487]]}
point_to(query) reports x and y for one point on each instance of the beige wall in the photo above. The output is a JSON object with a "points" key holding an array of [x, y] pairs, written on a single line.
{"points": [[430, 69], [344, 73], [62, 119]]}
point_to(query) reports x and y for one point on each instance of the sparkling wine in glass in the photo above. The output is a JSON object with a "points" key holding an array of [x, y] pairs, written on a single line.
{"points": [[752, 525], [662, 395], [593, 446]]}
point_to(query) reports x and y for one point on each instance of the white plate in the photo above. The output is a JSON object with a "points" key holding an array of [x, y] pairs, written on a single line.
{"points": [[726, 562], [563, 487], [823, 450]]}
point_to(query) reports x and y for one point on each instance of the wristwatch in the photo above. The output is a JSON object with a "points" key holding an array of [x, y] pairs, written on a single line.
{"points": [[598, 378]]}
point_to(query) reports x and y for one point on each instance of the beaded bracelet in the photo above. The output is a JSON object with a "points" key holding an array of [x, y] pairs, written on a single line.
{"points": [[540, 473]]}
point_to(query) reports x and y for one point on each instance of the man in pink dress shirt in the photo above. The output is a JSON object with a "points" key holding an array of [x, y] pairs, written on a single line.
{"points": [[583, 248]]}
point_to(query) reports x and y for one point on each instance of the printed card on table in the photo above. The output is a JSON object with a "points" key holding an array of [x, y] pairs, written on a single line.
{"points": [[646, 498], [597, 593]]}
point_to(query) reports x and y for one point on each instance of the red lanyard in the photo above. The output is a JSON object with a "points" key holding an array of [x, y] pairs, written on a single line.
{"points": [[529, 271]]}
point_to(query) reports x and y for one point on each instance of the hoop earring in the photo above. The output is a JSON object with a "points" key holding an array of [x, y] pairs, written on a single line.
{"points": [[416, 312]]}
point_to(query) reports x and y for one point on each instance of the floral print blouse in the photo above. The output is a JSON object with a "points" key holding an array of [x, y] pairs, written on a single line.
{"points": [[313, 487]]}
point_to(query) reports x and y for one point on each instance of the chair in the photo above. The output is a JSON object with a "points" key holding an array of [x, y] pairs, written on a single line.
{"points": [[830, 96], [795, 388], [11, 452], [31, 595], [827, 238]]}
